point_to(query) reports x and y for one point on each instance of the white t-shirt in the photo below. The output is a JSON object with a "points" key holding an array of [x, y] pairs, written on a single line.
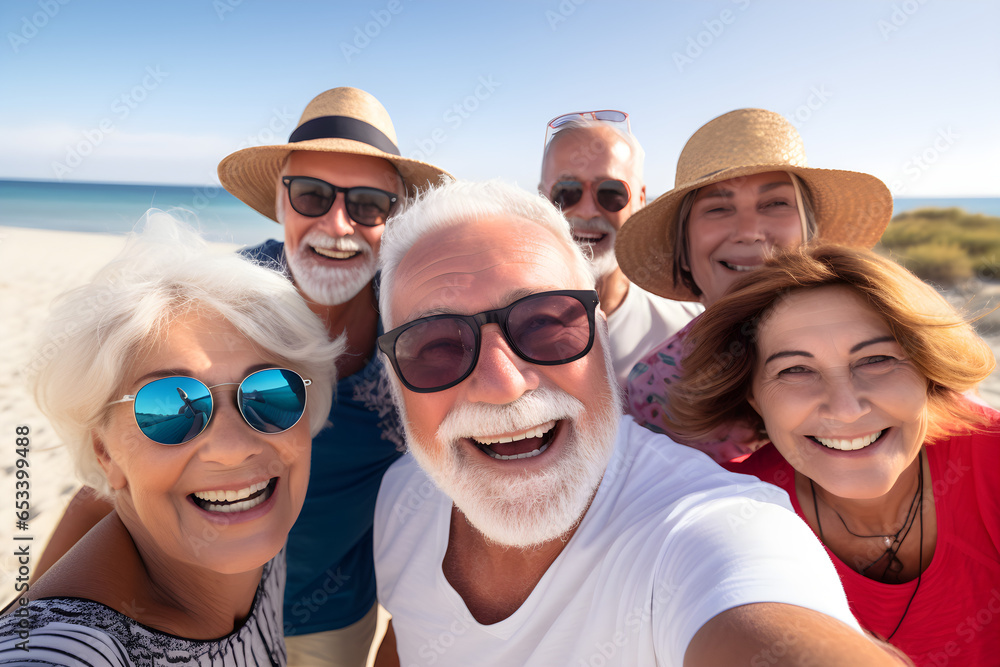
{"points": [[642, 322], [670, 541]]}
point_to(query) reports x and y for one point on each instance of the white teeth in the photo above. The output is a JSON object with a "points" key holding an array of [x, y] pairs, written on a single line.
{"points": [[238, 507], [588, 236], [536, 432], [740, 267], [849, 445], [526, 455], [335, 254], [230, 496]]}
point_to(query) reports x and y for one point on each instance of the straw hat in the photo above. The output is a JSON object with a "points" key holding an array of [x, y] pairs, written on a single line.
{"points": [[851, 208], [342, 120]]}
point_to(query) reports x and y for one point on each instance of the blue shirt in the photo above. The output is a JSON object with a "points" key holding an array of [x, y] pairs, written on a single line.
{"points": [[331, 572]]}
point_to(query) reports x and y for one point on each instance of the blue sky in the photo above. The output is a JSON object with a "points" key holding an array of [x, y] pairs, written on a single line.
{"points": [[159, 92]]}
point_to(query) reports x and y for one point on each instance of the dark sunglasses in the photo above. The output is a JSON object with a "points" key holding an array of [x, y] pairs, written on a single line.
{"points": [[612, 195], [437, 352], [312, 198], [176, 409]]}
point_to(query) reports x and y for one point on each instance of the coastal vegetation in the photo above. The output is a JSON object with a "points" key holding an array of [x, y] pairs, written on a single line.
{"points": [[945, 246]]}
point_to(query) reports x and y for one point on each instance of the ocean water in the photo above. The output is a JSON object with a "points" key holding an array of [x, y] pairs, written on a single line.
{"points": [[116, 208]]}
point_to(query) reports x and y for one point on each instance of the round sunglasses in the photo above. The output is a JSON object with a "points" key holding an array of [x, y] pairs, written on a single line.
{"points": [[176, 409], [612, 195], [437, 352], [313, 197]]}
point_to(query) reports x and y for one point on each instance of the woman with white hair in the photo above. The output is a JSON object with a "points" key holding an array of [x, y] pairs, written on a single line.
{"points": [[187, 384]]}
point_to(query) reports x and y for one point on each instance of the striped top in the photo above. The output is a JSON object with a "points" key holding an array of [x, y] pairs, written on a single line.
{"points": [[83, 633]]}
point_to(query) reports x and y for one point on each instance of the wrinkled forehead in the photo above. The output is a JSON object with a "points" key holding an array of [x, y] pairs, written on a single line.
{"points": [[583, 149], [474, 266], [344, 169]]}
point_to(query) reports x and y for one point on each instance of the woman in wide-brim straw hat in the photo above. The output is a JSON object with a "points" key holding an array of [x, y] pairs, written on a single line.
{"points": [[742, 190], [340, 120]]}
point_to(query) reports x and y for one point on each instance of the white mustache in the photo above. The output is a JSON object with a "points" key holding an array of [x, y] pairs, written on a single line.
{"points": [[531, 409], [318, 239], [596, 223]]}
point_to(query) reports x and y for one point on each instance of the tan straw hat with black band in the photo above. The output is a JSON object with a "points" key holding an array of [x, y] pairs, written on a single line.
{"points": [[341, 120], [850, 207]]}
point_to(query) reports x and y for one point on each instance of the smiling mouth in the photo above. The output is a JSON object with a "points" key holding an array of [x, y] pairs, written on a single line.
{"points": [[849, 445], [333, 253], [740, 267], [526, 445], [231, 501], [589, 238]]}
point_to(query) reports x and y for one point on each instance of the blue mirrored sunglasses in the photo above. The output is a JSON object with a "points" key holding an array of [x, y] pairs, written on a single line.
{"points": [[176, 409]]}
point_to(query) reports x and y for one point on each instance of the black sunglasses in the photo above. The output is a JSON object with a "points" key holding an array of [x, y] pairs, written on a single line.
{"points": [[313, 197], [176, 409], [437, 352], [612, 195]]}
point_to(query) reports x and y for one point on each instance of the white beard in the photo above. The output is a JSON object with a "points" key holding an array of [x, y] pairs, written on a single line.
{"points": [[518, 509], [603, 261], [330, 286]]}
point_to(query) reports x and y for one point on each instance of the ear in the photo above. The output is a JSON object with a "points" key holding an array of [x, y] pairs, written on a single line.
{"points": [[116, 477], [753, 403]]}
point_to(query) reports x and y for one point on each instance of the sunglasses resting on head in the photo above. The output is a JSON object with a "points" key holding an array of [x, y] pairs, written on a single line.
{"points": [[313, 198], [176, 409], [439, 351]]}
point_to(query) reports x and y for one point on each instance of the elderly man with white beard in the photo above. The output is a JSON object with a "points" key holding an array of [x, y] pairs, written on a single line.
{"points": [[531, 524], [333, 187], [592, 169]]}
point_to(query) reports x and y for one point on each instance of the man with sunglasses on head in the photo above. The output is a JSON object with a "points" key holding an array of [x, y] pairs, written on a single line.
{"points": [[529, 523], [592, 170], [333, 186]]}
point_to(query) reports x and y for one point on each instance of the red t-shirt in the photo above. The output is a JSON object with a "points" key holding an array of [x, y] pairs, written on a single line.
{"points": [[954, 618]]}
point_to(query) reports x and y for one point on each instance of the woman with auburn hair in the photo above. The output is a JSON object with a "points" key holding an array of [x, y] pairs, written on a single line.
{"points": [[860, 373], [743, 191]]}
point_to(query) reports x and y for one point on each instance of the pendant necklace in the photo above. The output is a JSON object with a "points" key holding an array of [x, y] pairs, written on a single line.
{"points": [[892, 541]]}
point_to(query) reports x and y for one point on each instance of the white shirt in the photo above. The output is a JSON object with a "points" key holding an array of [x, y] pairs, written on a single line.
{"points": [[642, 322], [670, 541]]}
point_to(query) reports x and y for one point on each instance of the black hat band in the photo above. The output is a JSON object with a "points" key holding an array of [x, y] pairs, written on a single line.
{"points": [[343, 127]]}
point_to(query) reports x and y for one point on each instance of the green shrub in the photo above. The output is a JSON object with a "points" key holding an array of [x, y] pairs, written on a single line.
{"points": [[940, 264], [945, 245]]}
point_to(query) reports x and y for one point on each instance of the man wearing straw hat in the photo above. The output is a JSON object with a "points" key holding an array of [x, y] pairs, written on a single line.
{"points": [[592, 169], [332, 187]]}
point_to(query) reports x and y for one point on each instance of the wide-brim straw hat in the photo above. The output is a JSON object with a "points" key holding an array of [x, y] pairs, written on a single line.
{"points": [[850, 207], [341, 120]]}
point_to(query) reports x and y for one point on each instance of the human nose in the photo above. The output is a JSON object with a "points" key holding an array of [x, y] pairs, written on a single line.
{"points": [[845, 399], [228, 440], [586, 208], [336, 222], [500, 376], [749, 227]]}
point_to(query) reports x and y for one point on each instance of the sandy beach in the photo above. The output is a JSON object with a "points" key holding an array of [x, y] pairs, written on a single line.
{"points": [[35, 266]]}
